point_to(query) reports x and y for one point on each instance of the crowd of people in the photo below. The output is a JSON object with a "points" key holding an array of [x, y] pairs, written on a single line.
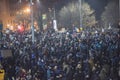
{"points": [[87, 55]]}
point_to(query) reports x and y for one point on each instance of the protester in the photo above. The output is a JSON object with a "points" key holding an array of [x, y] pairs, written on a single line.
{"points": [[87, 55]]}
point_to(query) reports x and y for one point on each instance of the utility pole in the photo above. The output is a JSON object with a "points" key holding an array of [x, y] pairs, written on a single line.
{"points": [[80, 11], [119, 11], [55, 21], [32, 21]]}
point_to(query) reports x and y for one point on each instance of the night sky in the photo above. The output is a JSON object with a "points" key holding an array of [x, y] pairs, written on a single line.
{"points": [[97, 5]]}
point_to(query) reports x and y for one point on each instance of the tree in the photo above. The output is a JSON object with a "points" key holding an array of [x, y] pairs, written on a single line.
{"points": [[70, 14], [111, 15]]}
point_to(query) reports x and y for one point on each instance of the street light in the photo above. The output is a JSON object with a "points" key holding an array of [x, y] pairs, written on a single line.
{"points": [[55, 21], [32, 21], [27, 10], [80, 10]]}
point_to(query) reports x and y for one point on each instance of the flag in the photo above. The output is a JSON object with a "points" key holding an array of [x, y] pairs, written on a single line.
{"points": [[2, 74]]}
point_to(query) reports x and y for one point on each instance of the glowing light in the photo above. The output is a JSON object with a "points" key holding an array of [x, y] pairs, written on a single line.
{"points": [[11, 27], [20, 28], [27, 10], [8, 25], [38, 1]]}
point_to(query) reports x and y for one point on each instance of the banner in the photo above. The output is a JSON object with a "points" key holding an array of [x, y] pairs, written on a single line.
{"points": [[6, 53], [55, 25], [44, 20]]}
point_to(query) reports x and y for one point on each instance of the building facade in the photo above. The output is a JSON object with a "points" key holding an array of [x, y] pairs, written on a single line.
{"points": [[8, 11], [4, 15], [14, 13]]}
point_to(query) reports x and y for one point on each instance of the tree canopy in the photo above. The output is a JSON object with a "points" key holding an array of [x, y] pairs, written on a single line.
{"points": [[70, 15], [111, 14]]}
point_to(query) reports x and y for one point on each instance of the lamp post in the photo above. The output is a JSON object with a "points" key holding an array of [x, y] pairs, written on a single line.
{"points": [[32, 21], [55, 21], [80, 10]]}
